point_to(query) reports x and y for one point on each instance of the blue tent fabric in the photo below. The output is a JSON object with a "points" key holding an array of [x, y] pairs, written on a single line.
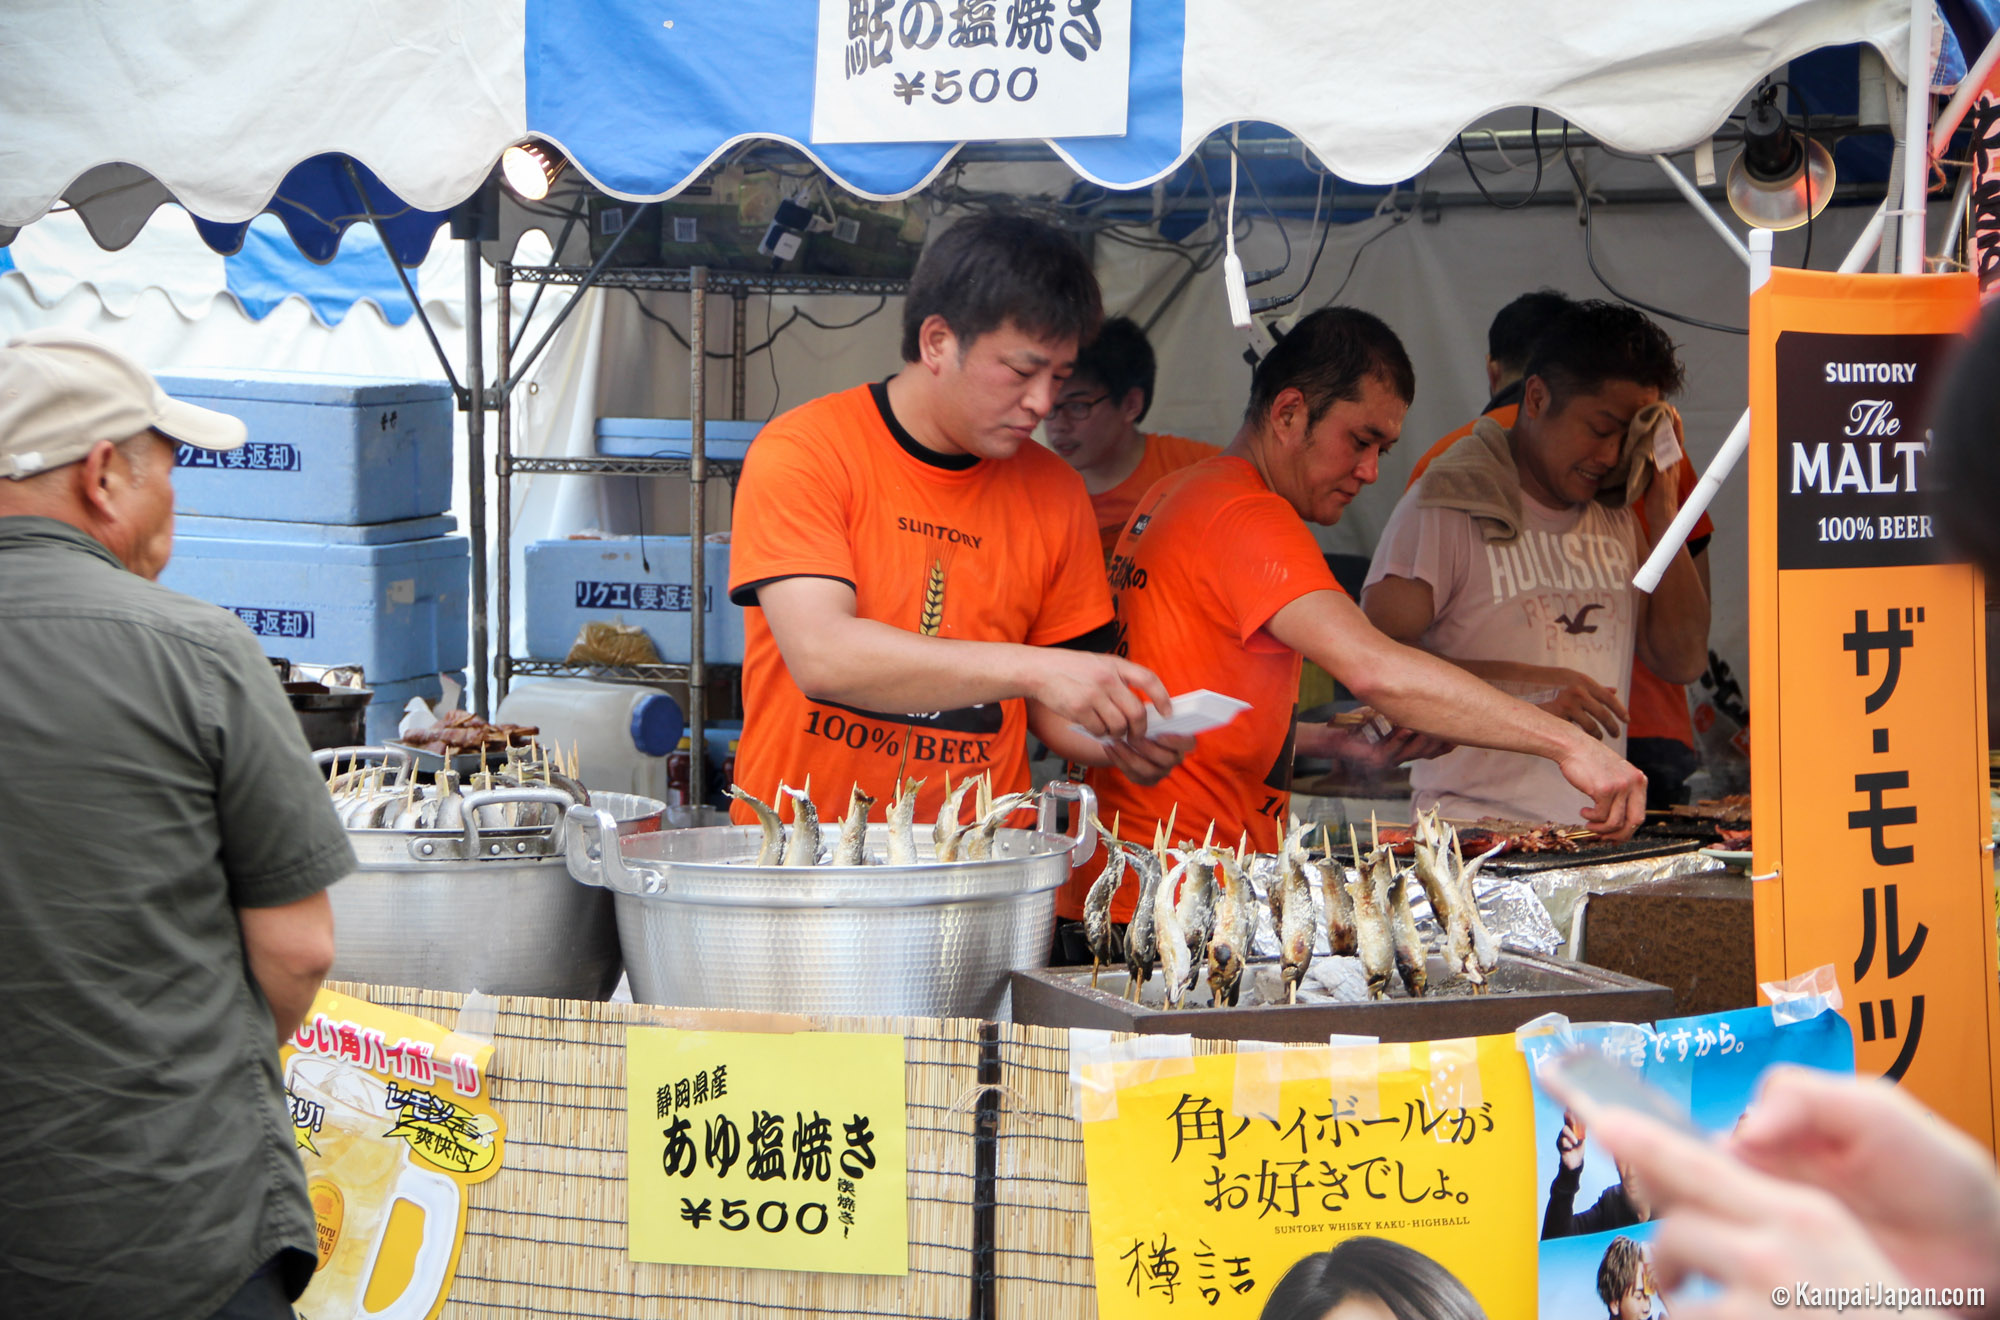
{"points": [[269, 268], [316, 204], [598, 69]]}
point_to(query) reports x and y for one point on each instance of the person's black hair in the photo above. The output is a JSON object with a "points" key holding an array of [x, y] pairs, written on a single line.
{"points": [[1963, 472], [1517, 325], [1121, 361], [991, 270], [1596, 342], [1326, 357], [1618, 1271], [1409, 1283]]}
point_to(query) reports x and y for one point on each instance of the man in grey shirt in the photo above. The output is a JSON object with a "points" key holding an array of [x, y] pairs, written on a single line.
{"points": [[165, 847]]}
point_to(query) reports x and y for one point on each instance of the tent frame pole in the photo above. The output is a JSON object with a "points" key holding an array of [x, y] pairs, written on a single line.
{"points": [[475, 466]]}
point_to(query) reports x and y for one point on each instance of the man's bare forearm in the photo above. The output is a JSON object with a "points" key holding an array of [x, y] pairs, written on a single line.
{"points": [[877, 666]]}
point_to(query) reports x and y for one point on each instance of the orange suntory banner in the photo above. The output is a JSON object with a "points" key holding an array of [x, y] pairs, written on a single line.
{"points": [[1868, 675]]}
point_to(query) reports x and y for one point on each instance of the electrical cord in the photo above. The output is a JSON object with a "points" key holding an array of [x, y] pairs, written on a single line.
{"points": [[771, 336], [1590, 256], [1534, 136]]}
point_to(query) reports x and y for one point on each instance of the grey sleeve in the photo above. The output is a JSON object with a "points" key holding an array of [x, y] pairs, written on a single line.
{"points": [[281, 841]]}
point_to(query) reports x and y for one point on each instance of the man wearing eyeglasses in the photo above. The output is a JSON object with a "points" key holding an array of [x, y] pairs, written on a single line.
{"points": [[1095, 427]]}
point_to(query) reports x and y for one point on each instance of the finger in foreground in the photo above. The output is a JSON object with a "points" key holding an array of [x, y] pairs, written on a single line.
{"points": [[1148, 682], [1678, 1171]]}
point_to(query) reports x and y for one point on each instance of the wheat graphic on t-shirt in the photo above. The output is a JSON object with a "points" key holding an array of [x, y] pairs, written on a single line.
{"points": [[932, 619]]}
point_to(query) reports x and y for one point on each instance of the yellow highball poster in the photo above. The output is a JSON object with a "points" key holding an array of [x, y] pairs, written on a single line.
{"points": [[767, 1151], [1411, 1166], [392, 1118]]}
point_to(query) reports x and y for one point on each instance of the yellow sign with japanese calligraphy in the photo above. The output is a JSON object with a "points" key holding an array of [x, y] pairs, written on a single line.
{"points": [[392, 1117], [1869, 775], [767, 1151], [1412, 1166]]}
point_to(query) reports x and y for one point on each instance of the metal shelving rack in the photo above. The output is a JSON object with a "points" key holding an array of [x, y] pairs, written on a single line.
{"points": [[698, 282]]}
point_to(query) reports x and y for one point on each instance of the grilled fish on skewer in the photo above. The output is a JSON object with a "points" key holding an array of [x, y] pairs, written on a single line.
{"points": [[852, 850], [773, 846], [1374, 942], [1235, 927], [1141, 936], [903, 824], [1434, 872], [1292, 911], [1485, 951], [1097, 929], [802, 848], [977, 843], [947, 832], [1171, 939], [1409, 945], [1339, 903], [1195, 909]]}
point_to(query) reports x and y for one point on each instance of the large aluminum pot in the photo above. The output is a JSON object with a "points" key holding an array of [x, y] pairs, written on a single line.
{"points": [[474, 909], [701, 927]]}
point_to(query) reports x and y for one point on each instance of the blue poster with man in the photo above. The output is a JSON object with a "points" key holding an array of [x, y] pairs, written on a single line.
{"points": [[1596, 1223]]}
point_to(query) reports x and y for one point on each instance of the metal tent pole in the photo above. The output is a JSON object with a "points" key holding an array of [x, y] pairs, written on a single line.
{"points": [[475, 465], [503, 467], [697, 673]]}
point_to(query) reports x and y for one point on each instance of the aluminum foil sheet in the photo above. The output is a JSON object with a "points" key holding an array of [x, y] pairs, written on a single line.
{"points": [[1512, 908], [1561, 888]]}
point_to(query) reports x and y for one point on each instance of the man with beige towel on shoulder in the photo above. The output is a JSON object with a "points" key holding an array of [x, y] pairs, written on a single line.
{"points": [[1513, 556]]}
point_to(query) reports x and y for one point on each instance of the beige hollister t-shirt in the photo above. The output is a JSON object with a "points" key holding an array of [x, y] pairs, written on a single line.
{"points": [[1560, 594]]}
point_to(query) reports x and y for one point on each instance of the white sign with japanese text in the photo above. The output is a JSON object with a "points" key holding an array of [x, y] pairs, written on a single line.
{"points": [[964, 70]]}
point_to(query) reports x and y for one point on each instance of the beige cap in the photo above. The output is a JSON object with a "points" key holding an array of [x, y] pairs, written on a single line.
{"points": [[61, 392]]}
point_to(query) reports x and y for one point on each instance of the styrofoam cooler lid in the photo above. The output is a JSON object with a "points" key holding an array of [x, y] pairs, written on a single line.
{"points": [[314, 387], [677, 428], [656, 724], [253, 529]]}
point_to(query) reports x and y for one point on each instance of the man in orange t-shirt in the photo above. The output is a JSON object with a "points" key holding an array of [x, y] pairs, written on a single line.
{"points": [[1095, 427], [1220, 585], [918, 575], [1659, 731]]}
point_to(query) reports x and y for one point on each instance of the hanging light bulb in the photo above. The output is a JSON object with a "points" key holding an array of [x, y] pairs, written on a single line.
{"points": [[531, 169], [1781, 179]]}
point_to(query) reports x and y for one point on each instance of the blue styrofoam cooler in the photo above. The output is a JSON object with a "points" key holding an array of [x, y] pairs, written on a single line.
{"points": [[395, 608], [672, 437], [322, 449], [385, 712], [571, 583]]}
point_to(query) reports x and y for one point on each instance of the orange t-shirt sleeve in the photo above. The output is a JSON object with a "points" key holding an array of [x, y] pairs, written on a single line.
{"points": [[790, 515], [1077, 598], [1272, 560]]}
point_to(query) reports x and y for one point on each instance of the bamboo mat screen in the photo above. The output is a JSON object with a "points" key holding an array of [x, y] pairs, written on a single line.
{"points": [[1041, 1259], [546, 1236]]}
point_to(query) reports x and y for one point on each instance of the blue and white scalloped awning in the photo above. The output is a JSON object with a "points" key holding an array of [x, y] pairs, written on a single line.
{"points": [[327, 114]]}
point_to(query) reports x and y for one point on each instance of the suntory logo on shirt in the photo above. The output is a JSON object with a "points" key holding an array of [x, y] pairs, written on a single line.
{"points": [[949, 535]]}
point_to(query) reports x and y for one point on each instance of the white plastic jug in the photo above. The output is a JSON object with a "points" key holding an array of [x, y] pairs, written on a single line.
{"points": [[621, 732]]}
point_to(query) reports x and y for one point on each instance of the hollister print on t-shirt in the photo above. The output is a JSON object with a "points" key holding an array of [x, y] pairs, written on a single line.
{"points": [[1560, 594]]}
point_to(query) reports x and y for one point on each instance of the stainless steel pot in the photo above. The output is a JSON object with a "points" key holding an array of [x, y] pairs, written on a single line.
{"points": [[700, 927], [472, 908]]}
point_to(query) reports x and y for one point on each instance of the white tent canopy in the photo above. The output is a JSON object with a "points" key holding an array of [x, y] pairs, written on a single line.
{"points": [[121, 105]]}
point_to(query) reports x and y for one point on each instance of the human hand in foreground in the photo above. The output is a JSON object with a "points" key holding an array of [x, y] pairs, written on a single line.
{"points": [[1616, 787], [1927, 1193], [1752, 1234], [1148, 760], [1105, 695], [1586, 703]]}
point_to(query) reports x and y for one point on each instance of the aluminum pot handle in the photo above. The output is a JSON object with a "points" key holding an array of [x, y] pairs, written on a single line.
{"points": [[471, 804], [402, 758], [1085, 841], [591, 861]]}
